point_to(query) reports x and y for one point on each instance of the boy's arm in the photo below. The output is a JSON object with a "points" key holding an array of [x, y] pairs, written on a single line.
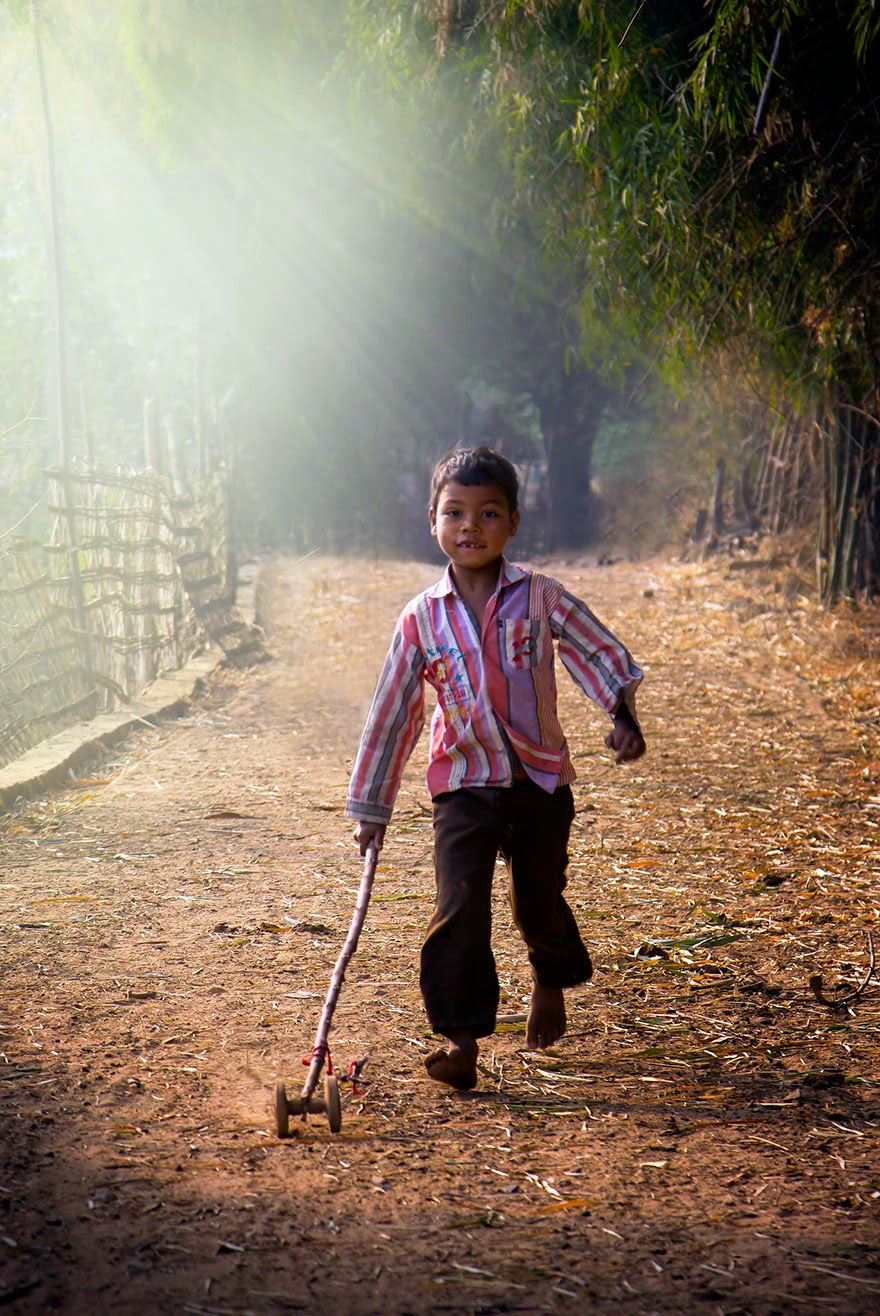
{"points": [[604, 669], [593, 657], [393, 726]]}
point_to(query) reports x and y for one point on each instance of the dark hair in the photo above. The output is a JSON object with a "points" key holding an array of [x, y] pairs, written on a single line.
{"points": [[470, 466]]}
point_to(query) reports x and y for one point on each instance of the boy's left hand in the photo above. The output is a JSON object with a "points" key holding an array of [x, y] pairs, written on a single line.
{"points": [[626, 738]]}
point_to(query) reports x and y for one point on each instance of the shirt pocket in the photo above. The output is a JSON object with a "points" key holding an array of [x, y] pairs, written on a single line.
{"points": [[525, 643]]}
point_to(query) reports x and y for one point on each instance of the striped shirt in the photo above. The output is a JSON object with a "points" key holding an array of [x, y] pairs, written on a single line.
{"points": [[496, 689]]}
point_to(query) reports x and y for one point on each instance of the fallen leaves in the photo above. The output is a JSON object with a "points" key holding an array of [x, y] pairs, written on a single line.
{"points": [[702, 1098]]}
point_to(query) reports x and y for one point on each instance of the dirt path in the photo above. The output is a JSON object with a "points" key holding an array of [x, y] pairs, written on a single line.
{"points": [[704, 1139]]}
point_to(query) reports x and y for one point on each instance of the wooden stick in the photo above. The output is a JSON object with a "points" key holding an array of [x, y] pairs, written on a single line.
{"points": [[320, 1049]]}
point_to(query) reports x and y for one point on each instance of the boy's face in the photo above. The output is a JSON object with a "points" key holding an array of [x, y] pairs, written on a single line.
{"points": [[472, 524]]}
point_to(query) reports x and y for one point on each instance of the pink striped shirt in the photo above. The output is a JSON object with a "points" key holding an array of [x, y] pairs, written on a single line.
{"points": [[496, 689]]}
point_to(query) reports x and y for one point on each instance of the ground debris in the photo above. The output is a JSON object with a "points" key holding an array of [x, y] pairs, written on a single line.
{"points": [[706, 1132]]}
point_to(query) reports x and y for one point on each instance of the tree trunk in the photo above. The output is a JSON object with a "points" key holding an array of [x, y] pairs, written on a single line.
{"points": [[570, 420]]}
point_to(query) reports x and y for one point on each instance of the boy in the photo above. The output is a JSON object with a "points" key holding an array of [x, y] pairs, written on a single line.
{"points": [[500, 773]]}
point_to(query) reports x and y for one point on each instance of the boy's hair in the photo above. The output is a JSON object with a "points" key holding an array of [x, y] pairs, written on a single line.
{"points": [[470, 466]]}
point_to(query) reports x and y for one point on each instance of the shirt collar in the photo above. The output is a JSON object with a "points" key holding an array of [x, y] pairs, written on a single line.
{"points": [[508, 575]]}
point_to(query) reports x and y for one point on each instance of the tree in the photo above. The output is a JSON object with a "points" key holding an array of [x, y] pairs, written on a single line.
{"points": [[801, 143], [542, 132], [310, 230], [704, 176]]}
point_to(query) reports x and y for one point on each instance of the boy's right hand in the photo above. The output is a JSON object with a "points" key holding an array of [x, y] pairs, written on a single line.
{"points": [[367, 834], [626, 739]]}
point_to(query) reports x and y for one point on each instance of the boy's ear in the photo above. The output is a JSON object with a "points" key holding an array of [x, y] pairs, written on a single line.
{"points": [[432, 517], [514, 523]]}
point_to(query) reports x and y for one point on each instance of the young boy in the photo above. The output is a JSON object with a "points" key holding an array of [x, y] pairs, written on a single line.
{"points": [[500, 773]]}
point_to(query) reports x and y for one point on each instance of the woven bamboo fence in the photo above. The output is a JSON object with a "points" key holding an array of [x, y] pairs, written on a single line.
{"points": [[132, 584]]}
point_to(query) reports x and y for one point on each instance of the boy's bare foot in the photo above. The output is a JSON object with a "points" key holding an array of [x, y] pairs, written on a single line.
{"points": [[456, 1066], [546, 1022]]}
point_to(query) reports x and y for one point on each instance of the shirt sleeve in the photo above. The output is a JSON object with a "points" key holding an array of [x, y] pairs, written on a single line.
{"points": [[594, 658], [392, 729]]}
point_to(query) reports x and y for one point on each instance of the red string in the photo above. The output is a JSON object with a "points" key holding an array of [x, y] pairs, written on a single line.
{"points": [[354, 1073], [321, 1050]]}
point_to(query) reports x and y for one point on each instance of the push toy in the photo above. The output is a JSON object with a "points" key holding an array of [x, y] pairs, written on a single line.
{"points": [[307, 1103]]}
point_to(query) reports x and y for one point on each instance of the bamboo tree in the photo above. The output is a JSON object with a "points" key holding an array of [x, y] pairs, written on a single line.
{"points": [[65, 483], [62, 391]]}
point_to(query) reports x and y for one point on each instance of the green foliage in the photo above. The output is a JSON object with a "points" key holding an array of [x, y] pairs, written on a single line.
{"points": [[687, 190], [788, 157], [555, 134], [340, 217], [19, 10], [699, 175]]}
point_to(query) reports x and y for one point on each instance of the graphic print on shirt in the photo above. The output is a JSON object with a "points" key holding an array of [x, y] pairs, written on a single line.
{"points": [[445, 671]]}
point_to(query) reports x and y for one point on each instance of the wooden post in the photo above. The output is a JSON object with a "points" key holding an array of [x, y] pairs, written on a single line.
{"points": [[843, 479], [84, 639], [856, 548], [202, 444], [88, 437], [822, 530], [782, 479], [753, 521], [154, 455], [763, 455], [175, 456], [718, 498]]}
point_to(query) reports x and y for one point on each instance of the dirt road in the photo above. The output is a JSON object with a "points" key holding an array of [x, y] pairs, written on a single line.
{"points": [[704, 1139]]}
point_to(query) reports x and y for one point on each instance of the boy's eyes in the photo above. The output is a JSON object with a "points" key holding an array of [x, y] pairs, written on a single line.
{"points": [[457, 511]]}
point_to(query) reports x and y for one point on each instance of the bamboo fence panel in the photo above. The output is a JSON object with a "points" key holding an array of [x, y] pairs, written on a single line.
{"points": [[131, 585], [43, 682], [209, 571], [115, 538]]}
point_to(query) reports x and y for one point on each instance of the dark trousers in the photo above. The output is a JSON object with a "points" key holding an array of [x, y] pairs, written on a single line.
{"points": [[529, 828]]}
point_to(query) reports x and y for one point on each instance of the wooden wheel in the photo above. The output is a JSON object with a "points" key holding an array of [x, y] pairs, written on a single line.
{"points": [[334, 1106], [282, 1120]]}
